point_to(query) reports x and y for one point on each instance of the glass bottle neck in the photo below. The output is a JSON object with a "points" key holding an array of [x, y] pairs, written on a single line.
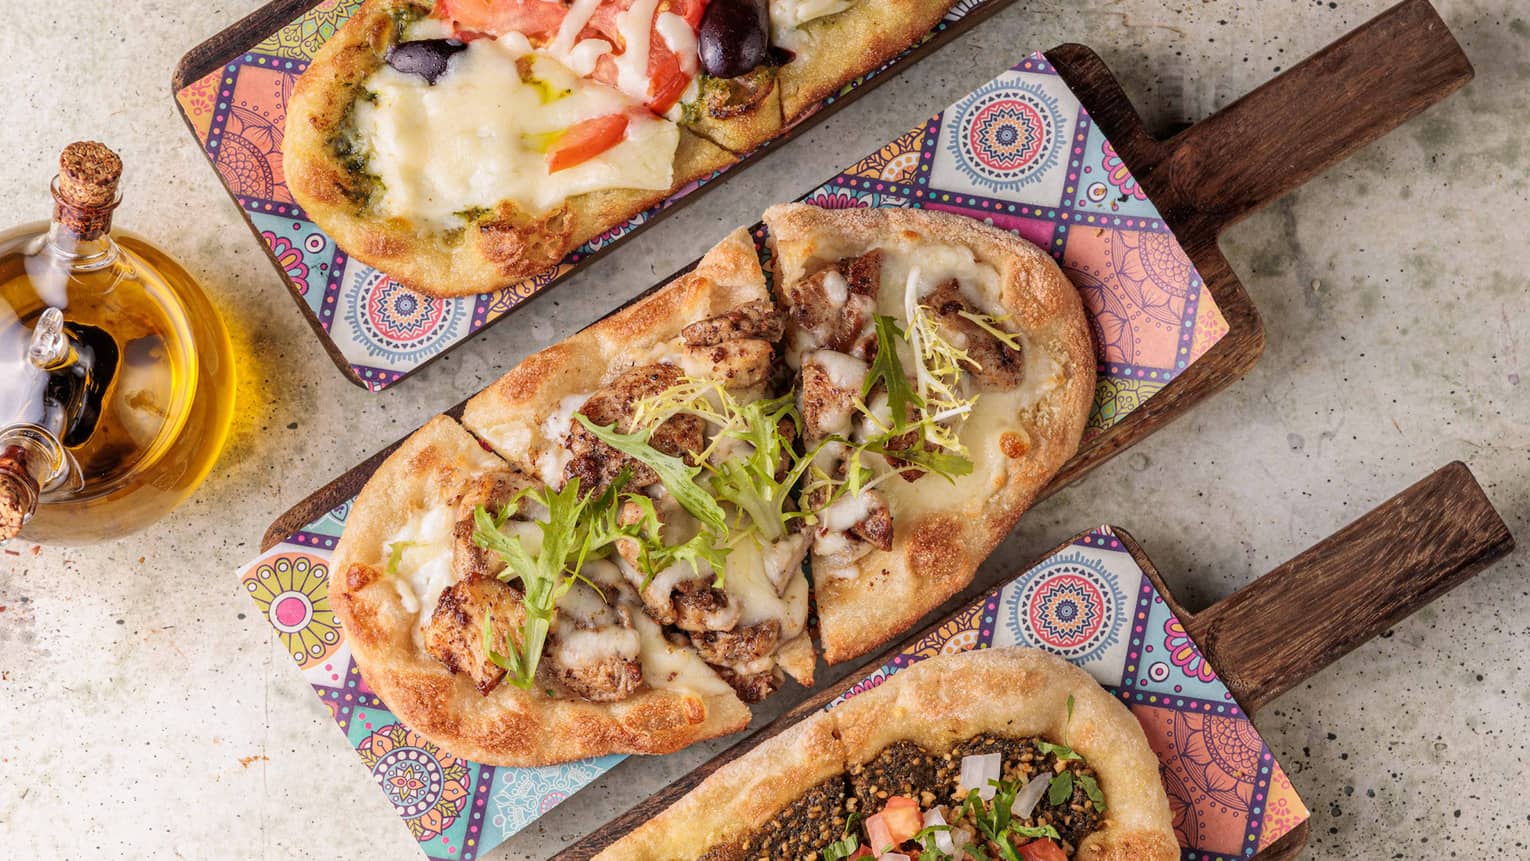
{"points": [[80, 236], [31, 461]]}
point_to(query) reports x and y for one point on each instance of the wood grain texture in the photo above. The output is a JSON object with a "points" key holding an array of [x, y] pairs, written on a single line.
{"points": [[1370, 575], [1465, 535], [222, 48]]}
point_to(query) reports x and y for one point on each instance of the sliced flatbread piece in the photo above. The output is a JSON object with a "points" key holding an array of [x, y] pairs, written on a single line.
{"points": [[396, 581], [1029, 416]]}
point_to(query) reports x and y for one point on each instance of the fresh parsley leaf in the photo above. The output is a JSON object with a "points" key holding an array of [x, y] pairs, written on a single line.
{"points": [[1070, 708], [925, 837], [1035, 832], [396, 552], [1061, 751], [1061, 789], [1092, 789], [939, 461], [847, 844]]}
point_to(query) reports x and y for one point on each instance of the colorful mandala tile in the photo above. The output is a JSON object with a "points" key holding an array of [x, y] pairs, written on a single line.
{"points": [[292, 591], [1163, 658], [1007, 140], [1104, 184]]}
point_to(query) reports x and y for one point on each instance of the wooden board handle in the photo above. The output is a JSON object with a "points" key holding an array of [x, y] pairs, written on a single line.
{"points": [[1269, 636], [1313, 115]]}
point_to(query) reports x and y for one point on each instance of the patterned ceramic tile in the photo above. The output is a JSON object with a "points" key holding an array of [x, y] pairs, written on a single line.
{"points": [[1018, 152]]}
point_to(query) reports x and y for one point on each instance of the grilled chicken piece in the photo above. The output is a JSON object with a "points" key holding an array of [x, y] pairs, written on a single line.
{"points": [[740, 647], [738, 364], [454, 635], [831, 381], [593, 648], [493, 491], [752, 687], [994, 365], [759, 319], [597, 464], [677, 595], [834, 305], [852, 527]]}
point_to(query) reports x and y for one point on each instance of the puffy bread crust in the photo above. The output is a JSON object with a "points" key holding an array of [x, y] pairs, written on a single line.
{"points": [[510, 414], [510, 727], [747, 129], [936, 555], [503, 247], [935, 703], [847, 45]]}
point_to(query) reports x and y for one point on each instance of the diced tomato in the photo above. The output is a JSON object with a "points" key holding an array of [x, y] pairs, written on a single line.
{"points": [[667, 82], [1042, 850], [862, 852], [535, 18], [903, 818], [585, 140]]}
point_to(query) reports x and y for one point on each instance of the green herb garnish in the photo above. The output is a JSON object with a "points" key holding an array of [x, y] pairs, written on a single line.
{"points": [[576, 530], [1092, 789], [1061, 789], [846, 846], [1061, 751]]}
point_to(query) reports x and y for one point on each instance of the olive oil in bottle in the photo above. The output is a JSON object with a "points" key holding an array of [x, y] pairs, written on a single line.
{"points": [[116, 376]]}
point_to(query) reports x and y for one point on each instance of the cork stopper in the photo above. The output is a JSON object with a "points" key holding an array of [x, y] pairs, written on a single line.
{"points": [[86, 188], [18, 492]]}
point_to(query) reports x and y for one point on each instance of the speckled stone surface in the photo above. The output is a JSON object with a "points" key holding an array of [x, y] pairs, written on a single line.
{"points": [[145, 712]]}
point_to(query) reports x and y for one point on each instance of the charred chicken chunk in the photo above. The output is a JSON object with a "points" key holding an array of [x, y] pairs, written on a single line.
{"points": [[596, 464], [493, 491], [679, 595], [738, 364], [593, 649], [831, 384], [740, 647], [994, 365], [757, 320], [834, 305], [454, 635], [852, 527], [751, 687]]}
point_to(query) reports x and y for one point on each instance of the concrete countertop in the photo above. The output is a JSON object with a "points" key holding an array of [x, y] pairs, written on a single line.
{"points": [[146, 711]]}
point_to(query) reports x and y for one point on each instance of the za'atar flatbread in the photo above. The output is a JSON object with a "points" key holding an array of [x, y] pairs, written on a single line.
{"points": [[607, 553], [461, 145], [945, 760]]}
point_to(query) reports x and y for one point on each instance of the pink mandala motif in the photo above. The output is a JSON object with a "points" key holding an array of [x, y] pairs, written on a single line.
{"points": [[290, 258], [1153, 271], [1218, 757], [1118, 175], [1184, 654]]}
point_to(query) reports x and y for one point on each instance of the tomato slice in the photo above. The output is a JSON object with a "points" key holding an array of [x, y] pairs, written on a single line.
{"points": [[585, 140], [1042, 850], [667, 82], [903, 818], [535, 18]]}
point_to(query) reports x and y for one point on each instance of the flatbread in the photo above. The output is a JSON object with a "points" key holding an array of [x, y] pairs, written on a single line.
{"points": [[507, 243], [936, 553], [936, 703], [510, 726], [839, 48]]}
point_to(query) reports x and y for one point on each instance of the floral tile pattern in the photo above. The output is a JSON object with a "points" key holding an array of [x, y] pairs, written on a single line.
{"points": [[1019, 152]]}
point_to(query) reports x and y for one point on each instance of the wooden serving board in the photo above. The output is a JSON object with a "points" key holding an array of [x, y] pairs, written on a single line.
{"points": [[1264, 639], [1202, 180]]}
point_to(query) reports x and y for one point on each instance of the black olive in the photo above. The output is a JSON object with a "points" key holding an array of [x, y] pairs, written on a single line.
{"points": [[426, 57], [734, 37]]}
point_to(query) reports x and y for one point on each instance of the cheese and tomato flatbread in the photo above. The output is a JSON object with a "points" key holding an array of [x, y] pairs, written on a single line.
{"points": [[895, 770], [462, 145], [993, 381]]}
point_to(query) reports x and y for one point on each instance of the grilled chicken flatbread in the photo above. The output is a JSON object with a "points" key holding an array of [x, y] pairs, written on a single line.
{"points": [[920, 766], [461, 145], [927, 454], [607, 553]]}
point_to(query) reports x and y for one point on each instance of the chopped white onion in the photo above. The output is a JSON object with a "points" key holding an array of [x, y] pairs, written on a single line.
{"points": [[943, 842], [1030, 795], [978, 771], [878, 835], [893, 856]]}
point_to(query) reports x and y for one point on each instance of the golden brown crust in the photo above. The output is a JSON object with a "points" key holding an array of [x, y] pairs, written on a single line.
{"points": [[935, 555], [502, 247], [509, 726], [839, 48], [936, 703]]}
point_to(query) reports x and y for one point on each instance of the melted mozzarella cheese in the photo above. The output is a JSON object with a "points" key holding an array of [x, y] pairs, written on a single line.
{"points": [[555, 455], [479, 135], [667, 666], [753, 572], [788, 16], [636, 28], [424, 570]]}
